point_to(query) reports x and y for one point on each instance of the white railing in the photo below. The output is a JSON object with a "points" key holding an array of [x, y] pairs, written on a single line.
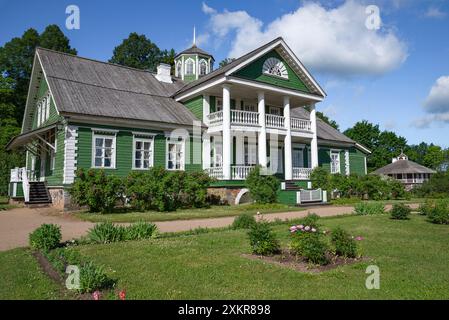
{"points": [[302, 173], [240, 172], [412, 180], [215, 118], [301, 124], [244, 117], [305, 196], [25, 184], [215, 172], [275, 121]]}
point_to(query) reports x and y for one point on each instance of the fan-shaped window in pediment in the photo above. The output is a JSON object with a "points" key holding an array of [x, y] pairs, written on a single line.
{"points": [[275, 67]]}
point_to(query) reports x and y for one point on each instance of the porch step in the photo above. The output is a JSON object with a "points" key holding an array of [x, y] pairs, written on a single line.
{"points": [[38, 194], [291, 186]]}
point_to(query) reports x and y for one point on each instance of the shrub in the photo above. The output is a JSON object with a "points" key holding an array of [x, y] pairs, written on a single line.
{"points": [[369, 208], [262, 239], [306, 242], [106, 232], [46, 237], [320, 178], [400, 211], [96, 190], [93, 277], [426, 207], [140, 230], [263, 188], [439, 214], [310, 220], [195, 189], [436, 187], [344, 244], [243, 221]]}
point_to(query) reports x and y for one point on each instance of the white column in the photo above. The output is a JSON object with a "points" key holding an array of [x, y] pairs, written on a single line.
{"points": [[263, 131], [206, 151], [226, 132], [288, 169], [314, 143], [240, 156], [206, 108]]}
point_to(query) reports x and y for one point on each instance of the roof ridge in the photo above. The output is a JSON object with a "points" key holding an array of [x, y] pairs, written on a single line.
{"points": [[95, 60]]}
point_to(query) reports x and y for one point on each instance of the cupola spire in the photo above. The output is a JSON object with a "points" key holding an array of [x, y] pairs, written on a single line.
{"points": [[194, 36]]}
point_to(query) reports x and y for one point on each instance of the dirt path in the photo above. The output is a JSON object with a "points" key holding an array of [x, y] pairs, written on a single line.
{"points": [[16, 224]]}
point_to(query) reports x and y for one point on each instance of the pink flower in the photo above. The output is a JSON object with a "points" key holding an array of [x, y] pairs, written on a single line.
{"points": [[122, 295], [96, 295], [313, 230], [359, 238], [300, 226], [307, 228]]}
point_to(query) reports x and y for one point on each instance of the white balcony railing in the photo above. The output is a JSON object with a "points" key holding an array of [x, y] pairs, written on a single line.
{"points": [[411, 180], [244, 117], [240, 172], [301, 124], [275, 121], [215, 118], [215, 172], [302, 173]]}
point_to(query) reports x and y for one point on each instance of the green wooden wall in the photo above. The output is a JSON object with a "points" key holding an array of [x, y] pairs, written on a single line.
{"points": [[53, 116], [196, 106], [254, 72]]}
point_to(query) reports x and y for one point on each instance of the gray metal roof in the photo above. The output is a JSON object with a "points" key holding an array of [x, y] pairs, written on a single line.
{"points": [[324, 131], [89, 87], [194, 50], [403, 166]]}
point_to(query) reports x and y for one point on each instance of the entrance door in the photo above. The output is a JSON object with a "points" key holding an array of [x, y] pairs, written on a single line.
{"points": [[298, 158], [43, 165], [277, 160]]}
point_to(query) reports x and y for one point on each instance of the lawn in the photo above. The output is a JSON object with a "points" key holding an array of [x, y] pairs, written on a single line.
{"points": [[412, 257], [4, 204], [186, 214]]}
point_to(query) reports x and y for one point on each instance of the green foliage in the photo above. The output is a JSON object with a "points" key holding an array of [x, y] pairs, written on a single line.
{"points": [[93, 277], [98, 191], [310, 220], [310, 246], [137, 51], [344, 244], [140, 230], [225, 62], [369, 208], [436, 187], [320, 178], [244, 221], [106, 232], [400, 211], [263, 188], [46, 237], [439, 213], [426, 207], [262, 239]]}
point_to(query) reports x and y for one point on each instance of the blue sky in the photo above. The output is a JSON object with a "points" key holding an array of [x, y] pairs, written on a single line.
{"points": [[396, 76]]}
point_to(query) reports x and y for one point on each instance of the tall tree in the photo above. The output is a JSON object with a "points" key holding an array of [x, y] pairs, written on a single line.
{"points": [[225, 62], [53, 38], [364, 133], [137, 51], [435, 156]]}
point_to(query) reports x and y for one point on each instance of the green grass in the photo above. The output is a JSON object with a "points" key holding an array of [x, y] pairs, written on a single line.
{"points": [[186, 214], [412, 257], [4, 204], [353, 201], [22, 278]]}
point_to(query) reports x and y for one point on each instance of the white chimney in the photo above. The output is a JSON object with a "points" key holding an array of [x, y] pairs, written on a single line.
{"points": [[163, 73]]}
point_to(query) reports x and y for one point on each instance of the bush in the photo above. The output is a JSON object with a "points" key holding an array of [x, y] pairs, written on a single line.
{"points": [[140, 230], [106, 232], [400, 211], [306, 242], [310, 220], [195, 189], [426, 207], [439, 214], [46, 237], [263, 188], [96, 190], [262, 239], [244, 221], [369, 208], [344, 244], [436, 187], [320, 178], [93, 277]]}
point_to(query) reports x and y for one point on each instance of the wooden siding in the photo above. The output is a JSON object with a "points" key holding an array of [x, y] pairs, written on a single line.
{"points": [[357, 161], [254, 72], [53, 116], [195, 105], [55, 177]]}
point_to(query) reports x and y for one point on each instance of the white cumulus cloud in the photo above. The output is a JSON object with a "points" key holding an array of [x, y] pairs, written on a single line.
{"points": [[434, 12], [334, 41]]}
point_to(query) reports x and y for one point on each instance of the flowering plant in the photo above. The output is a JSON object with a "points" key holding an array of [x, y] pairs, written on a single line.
{"points": [[301, 228]]}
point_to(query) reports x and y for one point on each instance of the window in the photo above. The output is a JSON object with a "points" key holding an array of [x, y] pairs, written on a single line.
{"points": [[39, 112], [43, 110], [250, 151], [298, 157], [175, 155], [275, 67], [335, 162], [274, 110], [249, 107], [219, 104], [103, 151], [203, 67], [179, 69], [143, 153], [190, 67]]}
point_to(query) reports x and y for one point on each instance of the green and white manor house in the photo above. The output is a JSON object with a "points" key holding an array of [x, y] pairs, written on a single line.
{"points": [[260, 109]]}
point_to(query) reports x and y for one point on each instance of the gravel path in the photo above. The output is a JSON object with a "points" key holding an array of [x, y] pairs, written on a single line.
{"points": [[16, 224]]}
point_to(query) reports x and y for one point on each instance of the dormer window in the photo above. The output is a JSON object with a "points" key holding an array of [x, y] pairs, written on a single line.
{"points": [[203, 67], [190, 67], [179, 69], [275, 67]]}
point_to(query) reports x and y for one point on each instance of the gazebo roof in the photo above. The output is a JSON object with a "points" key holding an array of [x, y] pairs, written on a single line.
{"points": [[404, 167]]}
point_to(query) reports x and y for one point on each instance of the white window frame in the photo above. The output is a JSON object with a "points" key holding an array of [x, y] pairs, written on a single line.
{"points": [[143, 139], [193, 67], [274, 110], [104, 135], [47, 107], [247, 106], [202, 61], [182, 161], [179, 69], [338, 169], [218, 104], [53, 156], [39, 112]]}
